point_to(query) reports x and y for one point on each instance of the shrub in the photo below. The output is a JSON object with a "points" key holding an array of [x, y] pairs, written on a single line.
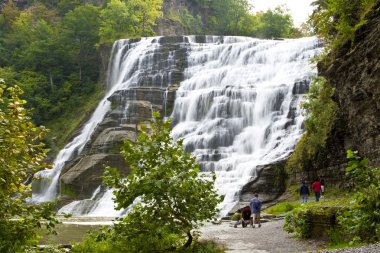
{"points": [[362, 221], [298, 222]]}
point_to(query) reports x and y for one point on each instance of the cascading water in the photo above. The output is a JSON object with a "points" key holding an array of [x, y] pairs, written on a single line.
{"points": [[237, 109], [121, 74], [237, 106]]}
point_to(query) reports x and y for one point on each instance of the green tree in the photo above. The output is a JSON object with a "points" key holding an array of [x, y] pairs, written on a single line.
{"points": [[146, 13], [8, 14], [173, 198], [228, 14], [81, 33], [33, 43], [22, 154], [275, 23], [116, 22]]}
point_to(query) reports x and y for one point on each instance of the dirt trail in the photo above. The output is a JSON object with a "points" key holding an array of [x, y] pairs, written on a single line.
{"points": [[270, 238]]}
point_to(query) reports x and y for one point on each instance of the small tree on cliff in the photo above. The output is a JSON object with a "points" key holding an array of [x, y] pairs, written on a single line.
{"points": [[21, 155], [173, 197]]}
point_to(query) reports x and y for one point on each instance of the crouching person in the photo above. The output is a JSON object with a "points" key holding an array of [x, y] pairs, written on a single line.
{"points": [[245, 217]]}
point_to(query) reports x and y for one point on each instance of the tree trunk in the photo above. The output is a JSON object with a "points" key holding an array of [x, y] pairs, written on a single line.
{"points": [[51, 78], [189, 240]]}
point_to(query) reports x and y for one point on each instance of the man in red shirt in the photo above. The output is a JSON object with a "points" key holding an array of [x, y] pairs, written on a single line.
{"points": [[316, 189]]}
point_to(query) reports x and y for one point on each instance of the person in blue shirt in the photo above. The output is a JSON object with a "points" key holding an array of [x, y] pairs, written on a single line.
{"points": [[255, 205], [304, 192]]}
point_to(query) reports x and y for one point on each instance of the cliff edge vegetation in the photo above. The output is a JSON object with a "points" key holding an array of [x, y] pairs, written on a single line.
{"points": [[342, 110]]}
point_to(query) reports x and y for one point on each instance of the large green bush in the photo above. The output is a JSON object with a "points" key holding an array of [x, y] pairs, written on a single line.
{"points": [[362, 221], [301, 220]]}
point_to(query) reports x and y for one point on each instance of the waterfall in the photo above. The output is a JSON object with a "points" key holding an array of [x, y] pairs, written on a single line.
{"points": [[121, 74], [237, 109], [237, 106]]}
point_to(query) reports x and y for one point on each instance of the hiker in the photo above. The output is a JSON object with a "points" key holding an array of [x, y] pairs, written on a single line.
{"points": [[245, 216], [316, 186], [304, 192], [322, 186], [255, 205]]}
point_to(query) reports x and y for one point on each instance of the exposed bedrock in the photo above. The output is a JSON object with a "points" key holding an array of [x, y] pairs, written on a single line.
{"points": [[152, 88]]}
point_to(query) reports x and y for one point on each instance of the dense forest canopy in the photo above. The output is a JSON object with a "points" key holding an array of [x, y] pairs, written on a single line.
{"points": [[51, 48]]}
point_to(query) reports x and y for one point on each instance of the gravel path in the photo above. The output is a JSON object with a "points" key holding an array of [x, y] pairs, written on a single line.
{"points": [[270, 238], [373, 248]]}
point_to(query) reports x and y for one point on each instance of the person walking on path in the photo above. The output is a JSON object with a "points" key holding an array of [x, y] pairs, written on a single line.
{"points": [[322, 186], [316, 189], [304, 192], [255, 205]]}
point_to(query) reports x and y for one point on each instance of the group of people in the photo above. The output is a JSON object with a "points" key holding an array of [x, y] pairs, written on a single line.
{"points": [[318, 187], [250, 214]]}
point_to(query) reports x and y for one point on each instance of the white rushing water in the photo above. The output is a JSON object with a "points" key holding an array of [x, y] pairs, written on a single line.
{"points": [[121, 75], [236, 109]]}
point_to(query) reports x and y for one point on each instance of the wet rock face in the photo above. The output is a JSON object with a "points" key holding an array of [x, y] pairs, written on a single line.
{"points": [[154, 88], [84, 175], [270, 183]]}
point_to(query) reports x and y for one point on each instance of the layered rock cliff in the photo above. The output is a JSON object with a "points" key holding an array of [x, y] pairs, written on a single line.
{"points": [[158, 76], [355, 75]]}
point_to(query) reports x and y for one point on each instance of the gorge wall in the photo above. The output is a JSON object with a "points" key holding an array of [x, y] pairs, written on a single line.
{"points": [[355, 75]]}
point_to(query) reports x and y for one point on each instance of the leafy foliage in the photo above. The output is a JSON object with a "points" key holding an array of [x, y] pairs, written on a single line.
{"points": [[298, 222], [21, 155], [275, 23], [116, 22], [321, 113], [362, 221], [128, 19], [171, 198], [300, 219], [233, 17], [337, 20]]}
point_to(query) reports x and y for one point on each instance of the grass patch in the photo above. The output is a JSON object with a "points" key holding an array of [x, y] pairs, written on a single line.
{"points": [[281, 208], [336, 193], [63, 127]]}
